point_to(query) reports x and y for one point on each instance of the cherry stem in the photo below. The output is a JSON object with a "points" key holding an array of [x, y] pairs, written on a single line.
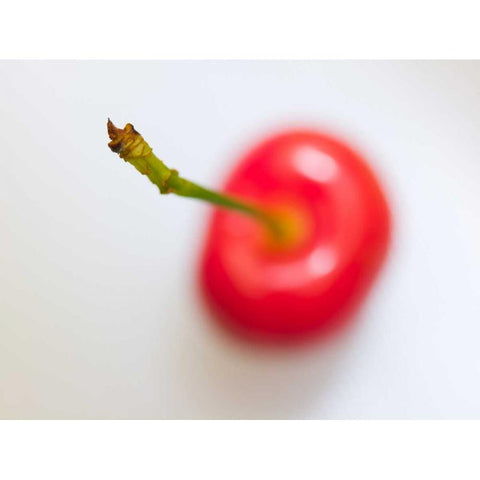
{"points": [[133, 148]]}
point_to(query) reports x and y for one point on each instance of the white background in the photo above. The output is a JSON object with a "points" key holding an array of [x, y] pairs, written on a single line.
{"points": [[99, 314]]}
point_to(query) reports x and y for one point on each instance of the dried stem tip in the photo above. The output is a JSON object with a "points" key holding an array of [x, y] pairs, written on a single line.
{"points": [[127, 142]]}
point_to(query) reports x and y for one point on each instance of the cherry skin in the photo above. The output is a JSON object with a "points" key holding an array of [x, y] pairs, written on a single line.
{"points": [[341, 229]]}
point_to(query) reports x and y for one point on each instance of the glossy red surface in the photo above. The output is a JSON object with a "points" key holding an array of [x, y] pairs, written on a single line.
{"points": [[344, 230]]}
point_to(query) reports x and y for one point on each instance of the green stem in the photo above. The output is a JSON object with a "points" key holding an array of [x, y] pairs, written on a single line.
{"points": [[131, 146]]}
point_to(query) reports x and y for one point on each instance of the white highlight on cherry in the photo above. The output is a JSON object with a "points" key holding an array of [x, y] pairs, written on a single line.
{"points": [[321, 261], [315, 164], [299, 273]]}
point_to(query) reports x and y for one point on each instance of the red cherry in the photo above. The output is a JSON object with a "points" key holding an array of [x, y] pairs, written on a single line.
{"points": [[341, 225]]}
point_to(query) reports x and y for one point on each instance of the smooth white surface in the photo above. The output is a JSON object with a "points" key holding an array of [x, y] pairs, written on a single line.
{"points": [[99, 316]]}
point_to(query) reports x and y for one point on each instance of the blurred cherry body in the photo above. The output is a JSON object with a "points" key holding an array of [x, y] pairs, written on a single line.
{"points": [[341, 222]]}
